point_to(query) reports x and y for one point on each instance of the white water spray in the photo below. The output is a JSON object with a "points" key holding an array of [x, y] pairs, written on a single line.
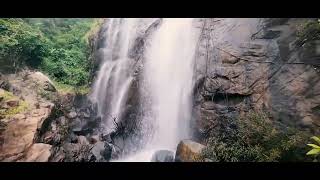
{"points": [[114, 78], [169, 74]]}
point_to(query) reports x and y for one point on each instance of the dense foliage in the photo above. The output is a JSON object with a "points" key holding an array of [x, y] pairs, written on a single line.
{"points": [[307, 31], [21, 43], [57, 46], [256, 139]]}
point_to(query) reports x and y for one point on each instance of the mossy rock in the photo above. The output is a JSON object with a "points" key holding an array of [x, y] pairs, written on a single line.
{"points": [[10, 111]]}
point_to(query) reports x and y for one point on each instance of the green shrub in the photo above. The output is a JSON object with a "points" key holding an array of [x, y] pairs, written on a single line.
{"points": [[315, 151], [308, 31], [64, 88], [256, 139]]}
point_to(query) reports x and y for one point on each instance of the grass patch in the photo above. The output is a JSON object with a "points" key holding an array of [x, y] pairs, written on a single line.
{"points": [[256, 139], [68, 89], [23, 106], [6, 96]]}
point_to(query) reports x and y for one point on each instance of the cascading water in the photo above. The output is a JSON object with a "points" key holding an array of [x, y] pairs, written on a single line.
{"points": [[168, 72], [169, 69], [114, 77], [168, 77]]}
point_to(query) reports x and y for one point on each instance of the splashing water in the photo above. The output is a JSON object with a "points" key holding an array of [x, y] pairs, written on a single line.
{"points": [[113, 81], [169, 74]]}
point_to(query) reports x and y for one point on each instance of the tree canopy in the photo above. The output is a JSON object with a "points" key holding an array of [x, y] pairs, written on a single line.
{"points": [[57, 46]]}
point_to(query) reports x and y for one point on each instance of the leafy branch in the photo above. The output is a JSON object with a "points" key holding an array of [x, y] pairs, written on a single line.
{"points": [[315, 151]]}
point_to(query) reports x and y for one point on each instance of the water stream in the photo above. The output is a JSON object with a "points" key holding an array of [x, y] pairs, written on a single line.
{"points": [[168, 70]]}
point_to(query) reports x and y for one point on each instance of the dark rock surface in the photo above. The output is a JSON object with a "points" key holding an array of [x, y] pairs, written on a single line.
{"points": [[255, 64]]}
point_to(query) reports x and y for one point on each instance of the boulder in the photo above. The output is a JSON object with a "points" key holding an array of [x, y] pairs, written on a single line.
{"points": [[163, 156], [38, 152], [72, 115], [188, 151], [43, 81]]}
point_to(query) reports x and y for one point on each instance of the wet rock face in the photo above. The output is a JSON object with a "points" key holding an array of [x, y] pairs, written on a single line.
{"points": [[255, 67]]}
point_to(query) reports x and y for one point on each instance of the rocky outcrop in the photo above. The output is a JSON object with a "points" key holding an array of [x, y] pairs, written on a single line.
{"points": [[244, 64], [188, 151], [42, 81], [25, 116], [37, 153]]}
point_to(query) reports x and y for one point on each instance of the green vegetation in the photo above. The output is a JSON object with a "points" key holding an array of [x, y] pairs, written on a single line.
{"points": [[256, 139], [57, 46], [315, 151], [10, 111], [308, 31], [6, 95], [65, 88], [20, 43], [23, 105]]}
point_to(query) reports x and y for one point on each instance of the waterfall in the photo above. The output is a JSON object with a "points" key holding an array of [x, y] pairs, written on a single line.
{"points": [[168, 77], [114, 78], [168, 72]]}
